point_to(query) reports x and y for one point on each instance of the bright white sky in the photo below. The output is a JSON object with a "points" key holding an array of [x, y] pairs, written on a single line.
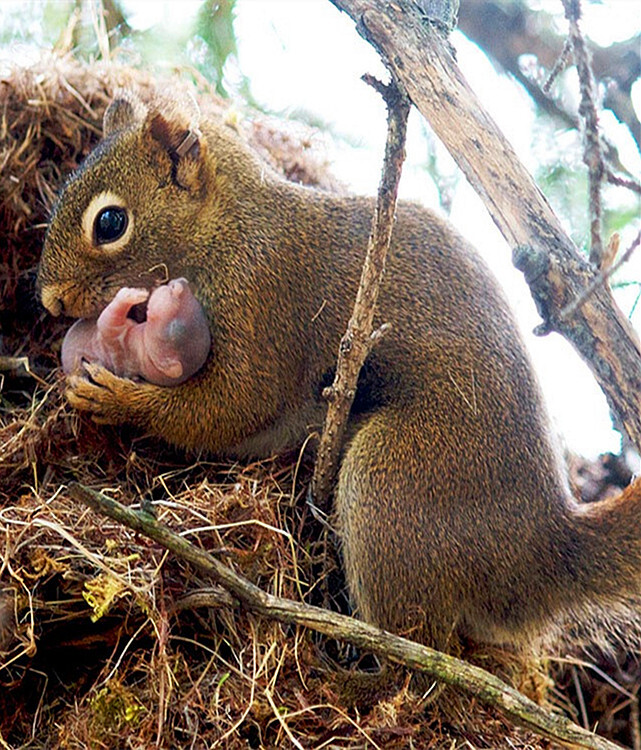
{"points": [[306, 55]]}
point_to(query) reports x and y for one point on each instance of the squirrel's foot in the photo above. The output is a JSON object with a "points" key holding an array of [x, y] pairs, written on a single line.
{"points": [[110, 399]]}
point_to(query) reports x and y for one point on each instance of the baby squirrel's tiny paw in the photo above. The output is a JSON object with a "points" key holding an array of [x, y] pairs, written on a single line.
{"points": [[109, 398]]}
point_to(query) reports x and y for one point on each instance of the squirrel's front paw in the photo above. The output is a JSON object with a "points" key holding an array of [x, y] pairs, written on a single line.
{"points": [[109, 398]]}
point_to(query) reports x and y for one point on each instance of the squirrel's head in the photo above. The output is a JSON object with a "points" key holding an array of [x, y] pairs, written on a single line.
{"points": [[124, 217]]}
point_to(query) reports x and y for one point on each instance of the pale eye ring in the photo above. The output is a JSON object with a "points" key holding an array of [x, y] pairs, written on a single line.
{"points": [[110, 224]]}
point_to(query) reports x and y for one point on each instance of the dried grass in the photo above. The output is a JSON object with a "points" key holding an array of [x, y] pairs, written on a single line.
{"points": [[104, 639]]}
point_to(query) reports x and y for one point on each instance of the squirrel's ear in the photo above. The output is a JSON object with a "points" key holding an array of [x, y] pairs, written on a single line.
{"points": [[182, 140], [124, 111]]}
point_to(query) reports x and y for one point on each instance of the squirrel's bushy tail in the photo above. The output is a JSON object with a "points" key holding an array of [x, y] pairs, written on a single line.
{"points": [[604, 586]]}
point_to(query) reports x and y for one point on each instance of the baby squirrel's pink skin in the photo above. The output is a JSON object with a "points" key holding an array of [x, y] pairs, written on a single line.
{"points": [[166, 349]]}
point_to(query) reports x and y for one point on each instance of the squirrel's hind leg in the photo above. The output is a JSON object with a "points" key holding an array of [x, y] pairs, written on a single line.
{"points": [[398, 575], [432, 552]]}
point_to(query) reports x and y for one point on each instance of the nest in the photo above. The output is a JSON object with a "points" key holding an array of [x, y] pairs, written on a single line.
{"points": [[105, 639]]}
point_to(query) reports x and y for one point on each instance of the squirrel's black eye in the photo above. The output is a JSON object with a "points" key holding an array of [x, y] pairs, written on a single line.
{"points": [[110, 224]]}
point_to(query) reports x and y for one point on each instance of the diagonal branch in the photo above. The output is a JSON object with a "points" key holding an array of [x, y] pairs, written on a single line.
{"points": [[456, 672], [358, 340]]}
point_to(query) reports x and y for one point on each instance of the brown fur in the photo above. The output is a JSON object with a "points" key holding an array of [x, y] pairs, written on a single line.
{"points": [[452, 503]]}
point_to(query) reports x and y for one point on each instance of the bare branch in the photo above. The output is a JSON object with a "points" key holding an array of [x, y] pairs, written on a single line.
{"points": [[455, 672], [592, 154], [357, 341], [614, 179], [559, 65], [600, 280]]}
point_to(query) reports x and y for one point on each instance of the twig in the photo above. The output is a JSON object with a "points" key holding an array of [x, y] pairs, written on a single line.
{"points": [[599, 281], [579, 696], [19, 366], [559, 65], [455, 672], [592, 153], [614, 179], [357, 341]]}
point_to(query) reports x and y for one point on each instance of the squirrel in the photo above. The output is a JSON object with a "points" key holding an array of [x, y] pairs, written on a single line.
{"points": [[166, 348], [455, 517]]}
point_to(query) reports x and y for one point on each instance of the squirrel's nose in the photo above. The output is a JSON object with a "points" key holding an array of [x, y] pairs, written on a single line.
{"points": [[50, 297]]}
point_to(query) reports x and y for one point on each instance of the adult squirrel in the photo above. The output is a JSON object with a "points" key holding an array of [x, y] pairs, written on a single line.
{"points": [[452, 503]]}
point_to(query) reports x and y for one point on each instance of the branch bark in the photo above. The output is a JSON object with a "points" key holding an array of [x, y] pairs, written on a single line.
{"points": [[460, 674], [553, 268], [358, 339]]}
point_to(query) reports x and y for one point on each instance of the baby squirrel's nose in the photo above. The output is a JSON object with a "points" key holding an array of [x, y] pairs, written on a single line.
{"points": [[50, 297]]}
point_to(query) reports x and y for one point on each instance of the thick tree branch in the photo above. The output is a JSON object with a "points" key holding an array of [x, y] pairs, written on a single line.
{"points": [[357, 341], [553, 268], [460, 674]]}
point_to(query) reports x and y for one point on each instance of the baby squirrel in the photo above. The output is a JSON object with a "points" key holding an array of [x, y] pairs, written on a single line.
{"points": [[169, 346], [452, 503]]}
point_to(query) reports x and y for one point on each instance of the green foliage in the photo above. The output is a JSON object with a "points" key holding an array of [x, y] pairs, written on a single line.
{"points": [[34, 21], [566, 187], [215, 31]]}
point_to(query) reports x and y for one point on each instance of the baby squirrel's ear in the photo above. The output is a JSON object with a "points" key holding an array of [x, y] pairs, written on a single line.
{"points": [[124, 111], [174, 127]]}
